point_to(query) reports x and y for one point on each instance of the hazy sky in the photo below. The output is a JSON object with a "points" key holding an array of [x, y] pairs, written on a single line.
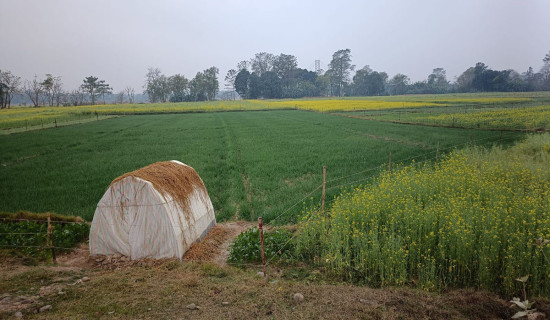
{"points": [[117, 40]]}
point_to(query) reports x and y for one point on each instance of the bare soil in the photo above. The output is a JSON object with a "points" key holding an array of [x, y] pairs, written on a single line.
{"points": [[115, 287]]}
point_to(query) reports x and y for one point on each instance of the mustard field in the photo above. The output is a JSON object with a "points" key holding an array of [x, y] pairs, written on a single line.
{"points": [[472, 220], [30, 118]]}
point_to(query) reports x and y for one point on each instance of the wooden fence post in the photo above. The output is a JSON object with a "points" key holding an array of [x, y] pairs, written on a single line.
{"points": [[389, 164], [55, 122], [437, 153], [262, 242], [324, 184], [50, 237]]}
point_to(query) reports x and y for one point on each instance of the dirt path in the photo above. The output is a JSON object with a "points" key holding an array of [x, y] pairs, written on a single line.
{"points": [[215, 246]]}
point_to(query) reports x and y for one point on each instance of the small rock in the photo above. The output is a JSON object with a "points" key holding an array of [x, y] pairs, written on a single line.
{"points": [[85, 279], [61, 293], [6, 300], [298, 298], [18, 314], [124, 259], [191, 306], [110, 312], [45, 308], [225, 303], [149, 309], [536, 316], [260, 273]]}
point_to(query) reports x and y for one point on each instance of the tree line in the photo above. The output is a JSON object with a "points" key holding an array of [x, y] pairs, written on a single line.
{"points": [[277, 76], [49, 91], [269, 76], [176, 88]]}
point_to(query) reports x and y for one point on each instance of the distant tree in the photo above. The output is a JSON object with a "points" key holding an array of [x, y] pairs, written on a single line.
{"points": [[284, 65], [76, 97], [340, 68], [230, 82], [398, 84], [243, 65], [130, 94], [437, 81], [211, 82], [254, 86], [204, 85], [270, 85], [464, 82], [52, 89], [368, 82], [95, 88], [515, 81], [322, 85], [11, 85], [156, 85], [120, 97], [105, 89], [262, 62], [486, 79], [545, 72], [3, 91], [34, 90], [242, 83], [532, 81], [179, 88], [418, 87]]}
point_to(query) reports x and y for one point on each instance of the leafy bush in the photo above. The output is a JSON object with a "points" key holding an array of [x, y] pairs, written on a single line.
{"points": [[31, 237], [246, 247]]}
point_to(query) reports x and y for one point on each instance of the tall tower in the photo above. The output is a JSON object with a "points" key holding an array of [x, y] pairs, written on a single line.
{"points": [[317, 66]]}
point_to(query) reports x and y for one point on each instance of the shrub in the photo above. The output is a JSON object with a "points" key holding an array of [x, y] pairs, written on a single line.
{"points": [[31, 237], [277, 246]]}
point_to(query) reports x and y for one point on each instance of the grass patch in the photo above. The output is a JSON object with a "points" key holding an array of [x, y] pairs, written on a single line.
{"points": [[252, 163], [160, 292]]}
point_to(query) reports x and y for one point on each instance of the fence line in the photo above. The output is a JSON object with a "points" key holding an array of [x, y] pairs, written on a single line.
{"points": [[1, 233], [295, 204], [418, 156], [270, 260], [45, 221]]}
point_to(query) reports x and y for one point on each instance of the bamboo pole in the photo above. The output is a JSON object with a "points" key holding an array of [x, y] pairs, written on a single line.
{"points": [[262, 242], [389, 164], [437, 153], [324, 185], [50, 237]]}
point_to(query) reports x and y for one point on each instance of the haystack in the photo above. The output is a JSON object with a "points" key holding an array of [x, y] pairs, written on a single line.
{"points": [[157, 211]]}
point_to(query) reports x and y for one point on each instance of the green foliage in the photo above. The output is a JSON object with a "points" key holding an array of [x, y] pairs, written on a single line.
{"points": [[31, 237], [280, 154], [472, 221], [247, 247]]}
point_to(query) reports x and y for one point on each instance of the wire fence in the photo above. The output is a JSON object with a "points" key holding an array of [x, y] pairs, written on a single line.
{"points": [[367, 174]]}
